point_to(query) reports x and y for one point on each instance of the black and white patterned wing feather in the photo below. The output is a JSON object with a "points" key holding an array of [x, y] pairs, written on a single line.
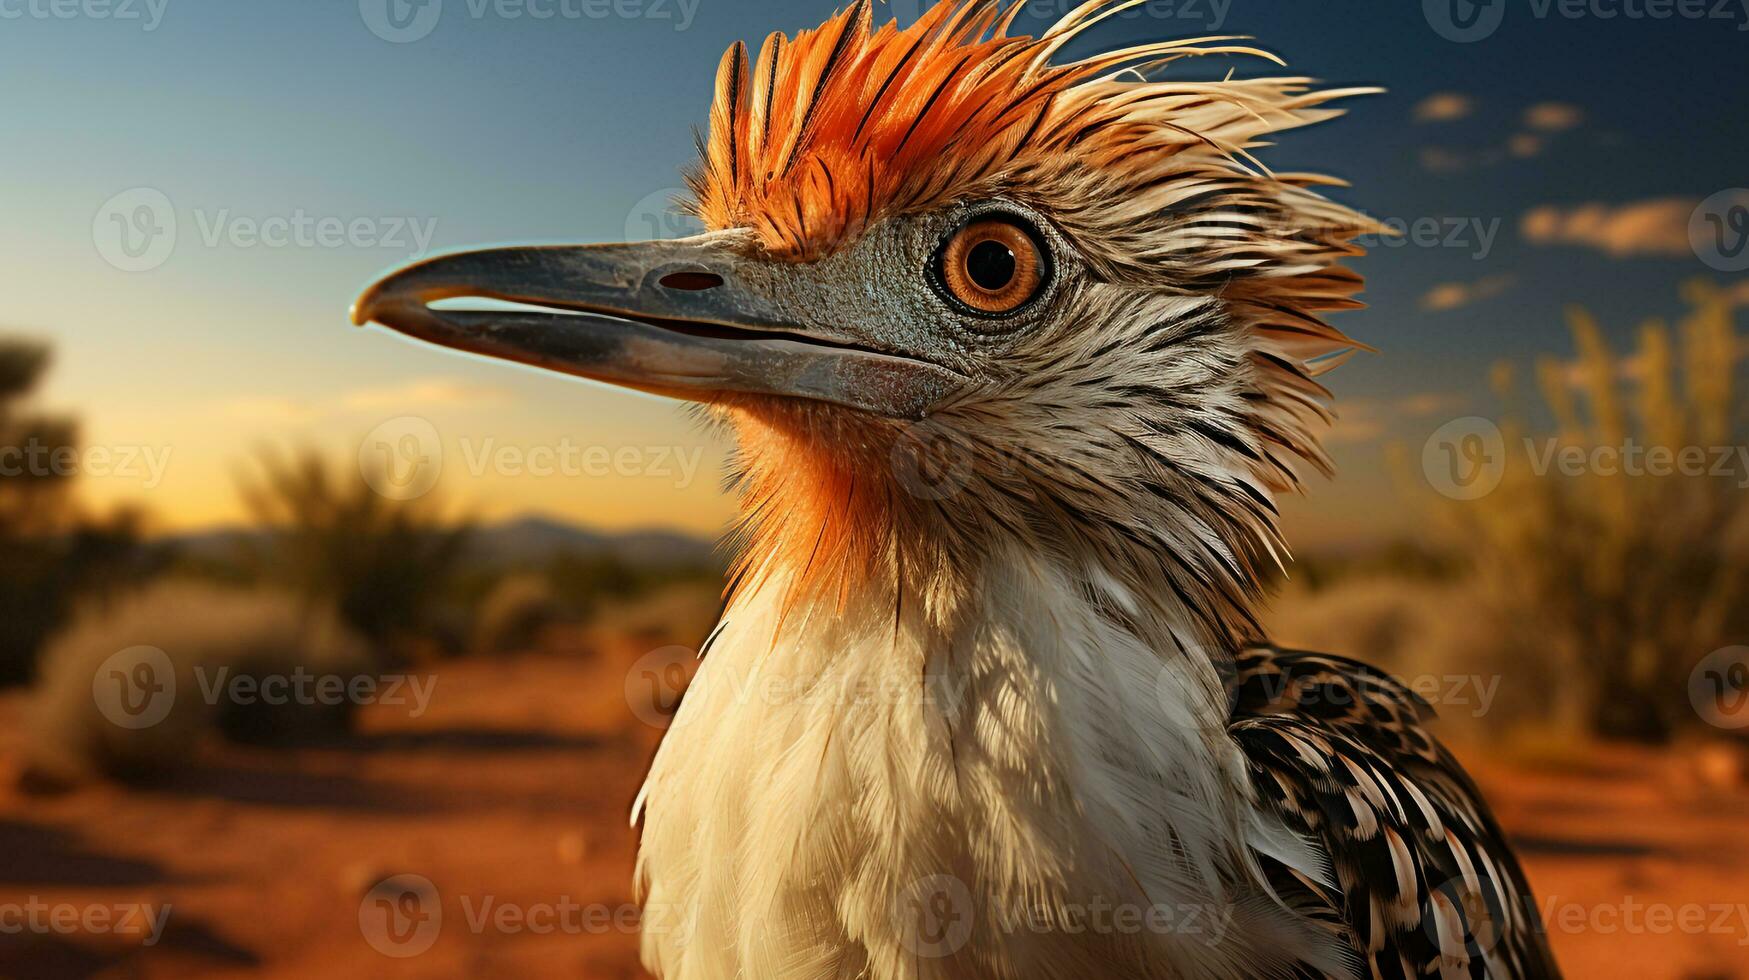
{"points": [[1428, 885]]}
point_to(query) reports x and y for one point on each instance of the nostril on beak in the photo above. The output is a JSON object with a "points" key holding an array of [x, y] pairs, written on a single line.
{"points": [[692, 282]]}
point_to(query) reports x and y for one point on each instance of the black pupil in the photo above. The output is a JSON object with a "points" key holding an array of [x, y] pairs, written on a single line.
{"points": [[991, 265]]}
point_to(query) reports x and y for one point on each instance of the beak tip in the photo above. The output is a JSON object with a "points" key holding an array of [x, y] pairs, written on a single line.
{"points": [[363, 309]]}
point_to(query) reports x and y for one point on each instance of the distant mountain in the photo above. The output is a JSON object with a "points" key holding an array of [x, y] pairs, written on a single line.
{"points": [[532, 539], [524, 540]]}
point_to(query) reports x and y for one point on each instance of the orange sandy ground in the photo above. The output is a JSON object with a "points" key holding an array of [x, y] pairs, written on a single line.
{"points": [[515, 788]]}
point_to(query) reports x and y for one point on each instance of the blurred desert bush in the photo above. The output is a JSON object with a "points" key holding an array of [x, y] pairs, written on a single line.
{"points": [[53, 554], [516, 614], [386, 566], [212, 635], [1593, 591]]}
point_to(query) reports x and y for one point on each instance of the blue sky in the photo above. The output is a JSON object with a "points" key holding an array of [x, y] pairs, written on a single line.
{"points": [[498, 125]]}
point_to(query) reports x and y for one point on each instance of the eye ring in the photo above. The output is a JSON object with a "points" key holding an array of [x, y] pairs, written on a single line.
{"points": [[992, 266]]}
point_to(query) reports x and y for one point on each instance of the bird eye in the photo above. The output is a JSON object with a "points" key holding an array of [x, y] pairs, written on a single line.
{"points": [[992, 267]]}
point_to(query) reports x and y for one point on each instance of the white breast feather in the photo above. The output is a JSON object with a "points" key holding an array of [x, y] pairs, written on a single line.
{"points": [[1039, 756]]}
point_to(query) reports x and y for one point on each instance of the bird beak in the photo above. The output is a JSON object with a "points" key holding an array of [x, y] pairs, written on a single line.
{"points": [[691, 319]]}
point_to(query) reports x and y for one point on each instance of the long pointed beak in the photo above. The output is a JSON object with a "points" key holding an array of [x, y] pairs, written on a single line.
{"points": [[688, 319]]}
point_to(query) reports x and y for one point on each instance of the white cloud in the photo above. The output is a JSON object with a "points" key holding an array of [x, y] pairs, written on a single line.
{"points": [[1553, 117], [1441, 160], [1540, 124], [1455, 295], [1444, 107], [1525, 145], [1655, 228]]}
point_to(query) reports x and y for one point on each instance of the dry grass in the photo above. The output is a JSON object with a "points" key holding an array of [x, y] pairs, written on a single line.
{"points": [[1604, 581]]}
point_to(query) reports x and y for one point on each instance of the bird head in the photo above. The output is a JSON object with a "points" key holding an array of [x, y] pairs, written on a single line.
{"points": [[958, 293]]}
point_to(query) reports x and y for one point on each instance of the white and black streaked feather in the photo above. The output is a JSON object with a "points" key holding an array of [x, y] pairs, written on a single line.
{"points": [[1427, 884]]}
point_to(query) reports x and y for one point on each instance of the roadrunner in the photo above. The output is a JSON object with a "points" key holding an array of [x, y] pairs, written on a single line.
{"points": [[1017, 351]]}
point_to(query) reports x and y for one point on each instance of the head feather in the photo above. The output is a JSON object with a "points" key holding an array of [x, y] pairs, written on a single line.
{"points": [[1154, 180]]}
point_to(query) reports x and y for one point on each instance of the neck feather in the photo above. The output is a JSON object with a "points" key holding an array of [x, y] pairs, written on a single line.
{"points": [[840, 507]]}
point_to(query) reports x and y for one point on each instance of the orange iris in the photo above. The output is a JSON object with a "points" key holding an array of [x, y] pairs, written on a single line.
{"points": [[992, 266]]}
